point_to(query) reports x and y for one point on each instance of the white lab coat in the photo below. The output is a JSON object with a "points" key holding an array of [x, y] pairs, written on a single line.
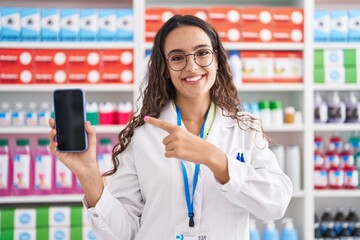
{"points": [[145, 200]]}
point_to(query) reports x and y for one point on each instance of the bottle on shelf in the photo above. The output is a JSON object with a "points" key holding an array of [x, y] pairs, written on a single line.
{"points": [[64, 178], [31, 117], [356, 232], [345, 233], [277, 114], [326, 219], [92, 113], [270, 232], [292, 165], [23, 177], [288, 232], [351, 174], [336, 108], [254, 232], [44, 114], [5, 168], [330, 232], [339, 218], [104, 157], [352, 105], [236, 67], [320, 109], [18, 115], [124, 111], [264, 113], [336, 141], [279, 152], [44, 168], [317, 232], [5, 114], [352, 219]]}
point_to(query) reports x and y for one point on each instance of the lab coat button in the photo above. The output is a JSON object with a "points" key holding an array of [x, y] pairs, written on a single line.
{"points": [[96, 215]]}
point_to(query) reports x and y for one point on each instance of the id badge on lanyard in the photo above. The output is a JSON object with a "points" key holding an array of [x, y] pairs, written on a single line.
{"points": [[185, 233]]}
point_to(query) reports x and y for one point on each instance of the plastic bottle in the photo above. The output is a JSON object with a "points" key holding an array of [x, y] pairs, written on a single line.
{"points": [[352, 114], [332, 157], [352, 219], [345, 233], [31, 117], [270, 232], [347, 156], [107, 113], [293, 165], [317, 233], [279, 152], [336, 109], [356, 232], [355, 140], [320, 109], [339, 219], [5, 168], [64, 178], [320, 172], [336, 141], [288, 232], [289, 115], [326, 219], [319, 142], [330, 232], [351, 174], [254, 106], [44, 168], [277, 114], [5, 114], [23, 175], [18, 115], [104, 157], [44, 114], [124, 111], [236, 67], [265, 113], [92, 113], [254, 233]]}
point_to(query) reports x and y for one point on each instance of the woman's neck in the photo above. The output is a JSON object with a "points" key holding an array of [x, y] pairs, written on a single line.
{"points": [[193, 110]]}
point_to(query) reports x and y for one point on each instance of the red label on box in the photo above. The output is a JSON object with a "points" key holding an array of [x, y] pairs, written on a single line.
{"points": [[16, 58], [255, 15], [11, 75], [288, 17], [225, 15], [229, 32], [256, 33], [288, 35]]}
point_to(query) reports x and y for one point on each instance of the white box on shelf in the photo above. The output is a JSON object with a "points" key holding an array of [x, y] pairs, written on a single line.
{"points": [[30, 24], [50, 24], [322, 26], [339, 26]]}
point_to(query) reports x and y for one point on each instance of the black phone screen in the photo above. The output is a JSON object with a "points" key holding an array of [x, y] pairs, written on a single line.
{"points": [[69, 120]]}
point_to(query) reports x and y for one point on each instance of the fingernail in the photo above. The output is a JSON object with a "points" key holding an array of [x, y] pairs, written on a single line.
{"points": [[146, 118]]}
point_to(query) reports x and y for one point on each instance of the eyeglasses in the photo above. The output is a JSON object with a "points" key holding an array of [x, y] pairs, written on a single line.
{"points": [[202, 57]]}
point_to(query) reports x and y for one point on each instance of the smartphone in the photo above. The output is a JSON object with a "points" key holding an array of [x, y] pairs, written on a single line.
{"points": [[70, 117]]}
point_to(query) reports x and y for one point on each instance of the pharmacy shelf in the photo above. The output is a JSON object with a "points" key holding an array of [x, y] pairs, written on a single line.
{"points": [[298, 194], [340, 127], [64, 198], [45, 129], [333, 45], [337, 87], [285, 128], [256, 46], [270, 87], [51, 87], [68, 45], [337, 193]]}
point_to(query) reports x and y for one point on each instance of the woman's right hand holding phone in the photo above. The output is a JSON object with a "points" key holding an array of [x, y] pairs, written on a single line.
{"points": [[82, 164]]}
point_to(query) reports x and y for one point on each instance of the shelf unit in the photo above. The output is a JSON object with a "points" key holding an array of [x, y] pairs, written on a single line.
{"points": [[305, 201]]}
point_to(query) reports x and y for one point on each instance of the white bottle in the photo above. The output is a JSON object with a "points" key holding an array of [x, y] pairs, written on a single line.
{"points": [[265, 113], [254, 233], [320, 109], [18, 115], [236, 67], [31, 118], [5, 114], [293, 165], [44, 114], [279, 152], [277, 114]]}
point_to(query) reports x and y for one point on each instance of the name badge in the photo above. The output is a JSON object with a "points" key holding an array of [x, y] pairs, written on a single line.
{"points": [[191, 236]]}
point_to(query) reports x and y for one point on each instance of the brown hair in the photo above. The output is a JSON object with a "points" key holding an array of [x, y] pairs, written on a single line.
{"points": [[158, 89]]}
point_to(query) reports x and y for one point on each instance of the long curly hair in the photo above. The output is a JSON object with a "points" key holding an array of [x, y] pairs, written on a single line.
{"points": [[157, 89]]}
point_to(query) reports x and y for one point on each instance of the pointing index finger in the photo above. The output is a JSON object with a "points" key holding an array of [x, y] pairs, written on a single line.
{"points": [[166, 126]]}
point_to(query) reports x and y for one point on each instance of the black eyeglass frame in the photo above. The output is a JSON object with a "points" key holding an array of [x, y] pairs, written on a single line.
{"points": [[186, 59]]}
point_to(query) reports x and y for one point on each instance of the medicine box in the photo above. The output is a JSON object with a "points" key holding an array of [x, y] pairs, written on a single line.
{"points": [[30, 24], [322, 26], [89, 24], [50, 24], [70, 25], [107, 25], [354, 25], [339, 26], [125, 24], [11, 24]]}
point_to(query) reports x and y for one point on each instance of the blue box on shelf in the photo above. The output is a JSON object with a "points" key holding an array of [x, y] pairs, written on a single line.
{"points": [[11, 24], [89, 24], [70, 25], [125, 26], [50, 24], [30, 24]]}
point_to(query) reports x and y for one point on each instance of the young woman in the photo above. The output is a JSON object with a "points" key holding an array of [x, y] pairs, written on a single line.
{"points": [[190, 164]]}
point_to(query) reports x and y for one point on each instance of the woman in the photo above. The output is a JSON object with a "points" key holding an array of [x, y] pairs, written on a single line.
{"points": [[189, 164]]}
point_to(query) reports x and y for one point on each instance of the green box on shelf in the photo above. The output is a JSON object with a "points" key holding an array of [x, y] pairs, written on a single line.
{"points": [[350, 57], [351, 75], [7, 219], [7, 234], [76, 233], [319, 75], [42, 233], [42, 217], [319, 57], [76, 216]]}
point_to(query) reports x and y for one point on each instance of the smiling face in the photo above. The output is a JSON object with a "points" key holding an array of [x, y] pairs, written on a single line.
{"points": [[192, 81]]}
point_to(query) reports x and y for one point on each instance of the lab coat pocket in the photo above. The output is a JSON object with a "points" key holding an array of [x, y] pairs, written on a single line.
{"points": [[241, 155]]}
